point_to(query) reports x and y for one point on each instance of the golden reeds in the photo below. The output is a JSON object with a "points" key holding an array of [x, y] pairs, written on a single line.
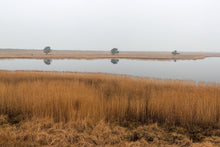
{"points": [[66, 97]]}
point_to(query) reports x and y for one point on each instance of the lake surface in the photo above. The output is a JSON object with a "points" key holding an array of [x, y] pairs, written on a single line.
{"points": [[197, 70]]}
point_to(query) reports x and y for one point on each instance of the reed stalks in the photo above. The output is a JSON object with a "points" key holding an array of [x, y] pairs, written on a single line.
{"points": [[66, 97]]}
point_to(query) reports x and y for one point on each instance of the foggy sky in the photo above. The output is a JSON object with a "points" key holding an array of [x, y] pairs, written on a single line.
{"points": [[130, 25]]}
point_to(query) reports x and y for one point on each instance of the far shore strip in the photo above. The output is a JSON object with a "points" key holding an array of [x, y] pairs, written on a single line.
{"points": [[70, 54]]}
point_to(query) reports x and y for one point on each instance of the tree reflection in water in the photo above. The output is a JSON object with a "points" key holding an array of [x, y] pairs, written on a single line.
{"points": [[47, 61], [114, 61]]}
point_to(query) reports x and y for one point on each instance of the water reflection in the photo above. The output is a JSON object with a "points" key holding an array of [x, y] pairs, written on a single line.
{"points": [[114, 61], [197, 70], [47, 61]]}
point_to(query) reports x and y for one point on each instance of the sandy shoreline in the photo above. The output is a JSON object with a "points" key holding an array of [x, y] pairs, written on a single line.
{"points": [[70, 54]]}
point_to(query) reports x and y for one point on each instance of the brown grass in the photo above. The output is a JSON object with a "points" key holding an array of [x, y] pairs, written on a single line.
{"points": [[66, 97], [130, 102]]}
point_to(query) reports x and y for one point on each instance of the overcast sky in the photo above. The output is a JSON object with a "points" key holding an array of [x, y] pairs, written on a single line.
{"points": [[132, 25]]}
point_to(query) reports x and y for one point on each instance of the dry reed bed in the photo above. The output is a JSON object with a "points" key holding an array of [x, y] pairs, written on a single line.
{"points": [[66, 97]]}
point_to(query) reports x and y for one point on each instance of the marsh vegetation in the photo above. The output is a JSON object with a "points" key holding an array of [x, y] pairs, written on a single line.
{"points": [[34, 104]]}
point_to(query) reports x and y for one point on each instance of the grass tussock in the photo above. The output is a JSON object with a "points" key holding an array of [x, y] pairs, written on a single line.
{"points": [[73, 98]]}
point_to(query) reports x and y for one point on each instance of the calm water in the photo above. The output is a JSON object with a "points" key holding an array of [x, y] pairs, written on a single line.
{"points": [[197, 70]]}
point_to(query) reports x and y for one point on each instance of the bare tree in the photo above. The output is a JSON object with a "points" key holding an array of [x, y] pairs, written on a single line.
{"points": [[114, 51], [47, 50], [175, 52]]}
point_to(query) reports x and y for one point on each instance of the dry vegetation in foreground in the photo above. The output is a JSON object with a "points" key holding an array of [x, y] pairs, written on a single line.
{"points": [[51, 108]]}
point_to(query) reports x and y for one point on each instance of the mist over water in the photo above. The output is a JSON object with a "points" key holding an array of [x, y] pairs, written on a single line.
{"points": [[196, 70], [140, 25], [153, 25]]}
